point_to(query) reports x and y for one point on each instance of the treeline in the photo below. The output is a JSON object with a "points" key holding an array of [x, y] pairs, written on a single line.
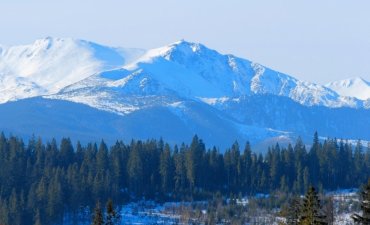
{"points": [[41, 182]]}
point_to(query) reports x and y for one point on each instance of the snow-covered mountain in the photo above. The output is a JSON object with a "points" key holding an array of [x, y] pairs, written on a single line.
{"points": [[47, 65], [192, 71], [174, 92], [352, 87]]}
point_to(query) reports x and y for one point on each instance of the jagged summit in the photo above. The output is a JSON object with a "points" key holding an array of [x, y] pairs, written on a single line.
{"points": [[227, 76], [173, 51]]}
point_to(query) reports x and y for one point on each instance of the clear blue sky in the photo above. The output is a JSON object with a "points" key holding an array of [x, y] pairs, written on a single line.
{"points": [[312, 40]]}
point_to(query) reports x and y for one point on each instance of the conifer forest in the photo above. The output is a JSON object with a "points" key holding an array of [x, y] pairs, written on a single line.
{"points": [[40, 181]]}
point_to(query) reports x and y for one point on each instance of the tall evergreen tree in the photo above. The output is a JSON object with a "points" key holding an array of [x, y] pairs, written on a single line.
{"points": [[102, 157], [313, 160], [180, 170], [98, 218], [66, 152], [311, 209], [165, 169], [112, 218], [135, 169]]}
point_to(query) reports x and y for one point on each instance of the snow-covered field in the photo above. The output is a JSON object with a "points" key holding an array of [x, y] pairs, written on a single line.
{"points": [[345, 202]]}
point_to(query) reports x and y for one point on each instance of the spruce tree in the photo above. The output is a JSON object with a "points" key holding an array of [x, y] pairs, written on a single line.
{"points": [[135, 169], [311, 209], [66, 153], [365, 206], [165, 169], [98, 218], [102, 157], [180, 170], [112, 217]]}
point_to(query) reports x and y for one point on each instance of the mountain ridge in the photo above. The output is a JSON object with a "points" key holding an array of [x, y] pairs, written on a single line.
{"points": [[185, 88], [208, 64]]}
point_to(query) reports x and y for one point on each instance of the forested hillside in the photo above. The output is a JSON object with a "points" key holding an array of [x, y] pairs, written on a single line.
{"points": [[40, 182]]}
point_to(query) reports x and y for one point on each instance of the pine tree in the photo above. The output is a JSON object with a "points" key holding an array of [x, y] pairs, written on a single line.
{"points": [[180, 170], [66, 152], [165, 169], [358, 162], [311, 209], [54, 198], [191, 165], [135, 169], [313, 159], [306, 179], [365, 206], [98, 218], [247, 163], [102, 157], [112, 217]]}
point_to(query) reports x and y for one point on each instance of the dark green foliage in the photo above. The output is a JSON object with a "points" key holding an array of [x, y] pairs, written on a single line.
{"points": [[135, 169], [311, 213], [166, 169], [42, 182]]}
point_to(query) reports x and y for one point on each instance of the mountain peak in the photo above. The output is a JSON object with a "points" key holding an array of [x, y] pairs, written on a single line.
{"points": [[188, 47], [53, 63], [50, 40], [186, 84], [352, 87], [182, 42], [355, 80], [172, 52], [49, 64]]}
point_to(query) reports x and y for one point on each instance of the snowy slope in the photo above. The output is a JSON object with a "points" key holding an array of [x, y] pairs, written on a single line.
{"points": [[192, 71], [49, 64], [267, 81], [352, 87]]}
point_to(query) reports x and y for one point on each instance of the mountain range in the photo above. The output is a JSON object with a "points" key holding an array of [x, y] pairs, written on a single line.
{"points": [[58, 87]]}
